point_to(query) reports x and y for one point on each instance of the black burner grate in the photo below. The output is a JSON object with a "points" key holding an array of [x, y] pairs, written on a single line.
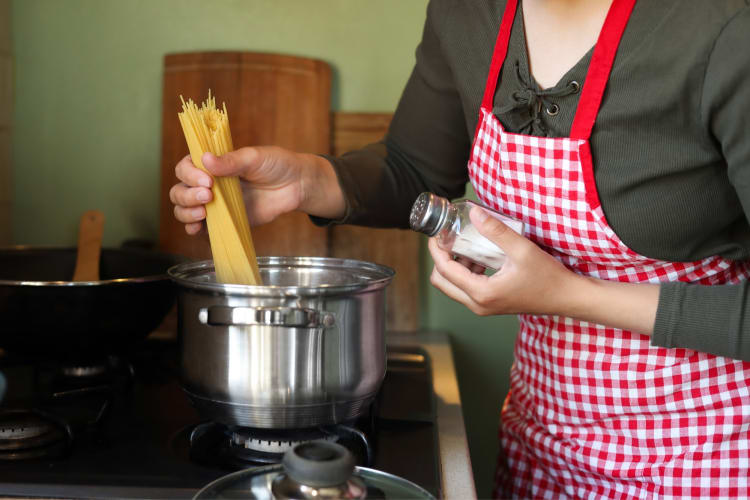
{"points": [[232, 448], [26, 434]]}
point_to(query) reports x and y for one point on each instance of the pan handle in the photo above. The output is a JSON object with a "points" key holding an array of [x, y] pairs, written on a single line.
{"points": [[265, 316]]}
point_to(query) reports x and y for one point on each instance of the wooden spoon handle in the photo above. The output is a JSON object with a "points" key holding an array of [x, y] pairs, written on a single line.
{"points": [[89, 246]]}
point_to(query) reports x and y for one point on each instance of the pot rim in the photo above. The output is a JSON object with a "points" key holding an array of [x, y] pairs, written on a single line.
{"points": [[79, 284], [382, 276]]}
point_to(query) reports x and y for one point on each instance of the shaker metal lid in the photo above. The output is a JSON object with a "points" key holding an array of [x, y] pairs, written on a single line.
{"points": [[428, 213]]}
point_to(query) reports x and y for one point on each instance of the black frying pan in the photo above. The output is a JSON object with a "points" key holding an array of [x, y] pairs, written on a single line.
{"points": [[43, 313]]}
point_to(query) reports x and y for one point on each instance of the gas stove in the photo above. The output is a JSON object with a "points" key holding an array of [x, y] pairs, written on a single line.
{"points": [[122, 427]]}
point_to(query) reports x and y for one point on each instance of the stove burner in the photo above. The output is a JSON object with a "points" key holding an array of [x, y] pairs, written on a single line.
{"points": [[276, 442], [93, 371], [232, 448], [84, 371], [27, 434]]}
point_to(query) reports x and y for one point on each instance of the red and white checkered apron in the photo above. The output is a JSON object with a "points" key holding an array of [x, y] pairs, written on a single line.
{"points": [[593, 411]]}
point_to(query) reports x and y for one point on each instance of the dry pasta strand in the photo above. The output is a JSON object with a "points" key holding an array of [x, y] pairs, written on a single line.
{"points": [[206, 129]]}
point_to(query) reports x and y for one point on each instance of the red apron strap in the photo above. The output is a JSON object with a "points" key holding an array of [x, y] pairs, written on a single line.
{"points": [[600, 68], [499, 53]]}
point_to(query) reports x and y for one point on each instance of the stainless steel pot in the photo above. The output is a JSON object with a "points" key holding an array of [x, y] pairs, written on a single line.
{"points": [[305, 349]]}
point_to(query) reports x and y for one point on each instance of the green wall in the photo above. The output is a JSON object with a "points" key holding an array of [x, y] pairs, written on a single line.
{"points": [[87, 127]]}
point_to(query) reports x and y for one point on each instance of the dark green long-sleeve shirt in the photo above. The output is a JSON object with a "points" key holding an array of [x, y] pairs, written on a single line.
{"points": [[671, 145]]}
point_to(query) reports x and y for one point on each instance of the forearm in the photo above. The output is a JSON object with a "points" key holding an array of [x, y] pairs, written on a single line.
{"points": [[708, 318], [322, 195], [629, 306]]}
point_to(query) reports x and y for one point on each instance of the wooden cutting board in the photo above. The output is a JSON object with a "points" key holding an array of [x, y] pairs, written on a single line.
{"points": [[272, 99], [396, 248], [284, 100]]}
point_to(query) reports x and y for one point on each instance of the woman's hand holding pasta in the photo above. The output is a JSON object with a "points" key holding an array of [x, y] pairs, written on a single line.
{"points": [[274, 181]]}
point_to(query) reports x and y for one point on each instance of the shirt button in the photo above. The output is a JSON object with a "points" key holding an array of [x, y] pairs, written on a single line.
{"points": [[553, 110]]}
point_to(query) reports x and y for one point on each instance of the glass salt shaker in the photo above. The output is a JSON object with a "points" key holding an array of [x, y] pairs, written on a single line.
{"points": [[436, 216]]}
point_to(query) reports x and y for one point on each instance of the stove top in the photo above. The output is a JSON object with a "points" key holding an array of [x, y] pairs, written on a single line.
{"points": [[122, 427]]}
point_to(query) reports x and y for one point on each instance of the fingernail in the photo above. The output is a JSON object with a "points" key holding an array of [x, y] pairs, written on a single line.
{"points": [[202, 195], [205, 182], [198, 213]]}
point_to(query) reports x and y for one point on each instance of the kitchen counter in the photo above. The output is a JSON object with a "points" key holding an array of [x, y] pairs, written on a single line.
{"points": [[455, 462]]}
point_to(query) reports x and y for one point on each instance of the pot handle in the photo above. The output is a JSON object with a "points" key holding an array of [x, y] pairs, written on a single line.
{"points": [[265, 316]]}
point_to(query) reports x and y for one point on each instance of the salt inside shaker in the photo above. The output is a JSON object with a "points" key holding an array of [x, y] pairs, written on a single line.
{"points": [[449, 222]]}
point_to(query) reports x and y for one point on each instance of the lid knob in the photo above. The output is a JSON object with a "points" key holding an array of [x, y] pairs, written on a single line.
{"points": [[319, 464]]}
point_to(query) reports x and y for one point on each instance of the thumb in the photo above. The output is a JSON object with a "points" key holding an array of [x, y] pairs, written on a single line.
{"points": [[233, 163], [496, 231]]}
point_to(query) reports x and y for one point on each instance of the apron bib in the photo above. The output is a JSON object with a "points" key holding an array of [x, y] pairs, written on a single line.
{"points": [[593, 411]]}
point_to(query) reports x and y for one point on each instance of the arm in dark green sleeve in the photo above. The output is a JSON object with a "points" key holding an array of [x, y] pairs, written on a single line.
{"points": [[716, 319], [426, 148]]}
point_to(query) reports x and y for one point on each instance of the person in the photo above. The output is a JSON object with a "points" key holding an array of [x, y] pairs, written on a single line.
{"points": [[619, 133]]}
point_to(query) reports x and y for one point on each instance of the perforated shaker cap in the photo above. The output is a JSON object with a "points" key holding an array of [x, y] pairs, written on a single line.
{"points": [[428, 214]]}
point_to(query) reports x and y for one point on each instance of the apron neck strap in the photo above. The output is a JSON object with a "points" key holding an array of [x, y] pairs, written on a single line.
{"points": [[498, 55], [599, 67]]}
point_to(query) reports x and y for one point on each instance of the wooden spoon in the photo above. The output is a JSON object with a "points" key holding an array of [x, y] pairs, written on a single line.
{"points": [[89, 246]]}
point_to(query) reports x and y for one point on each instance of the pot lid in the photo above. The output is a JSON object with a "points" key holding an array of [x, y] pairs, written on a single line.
{"points": [[317, 469]]}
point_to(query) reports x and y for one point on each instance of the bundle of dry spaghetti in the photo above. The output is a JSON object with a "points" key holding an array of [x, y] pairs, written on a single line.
{"points": [[207, 129]]}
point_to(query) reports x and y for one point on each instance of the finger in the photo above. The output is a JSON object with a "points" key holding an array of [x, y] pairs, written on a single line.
{"points": [[477, 268], [466, 286], [463, 261], [452, 291], [438, 254], [450, 268], [191, 175], [496, 231], [193, 228], [462, 284], [189, 215], [233, 163], [443, 259], [186, 196], [470, 265]]}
